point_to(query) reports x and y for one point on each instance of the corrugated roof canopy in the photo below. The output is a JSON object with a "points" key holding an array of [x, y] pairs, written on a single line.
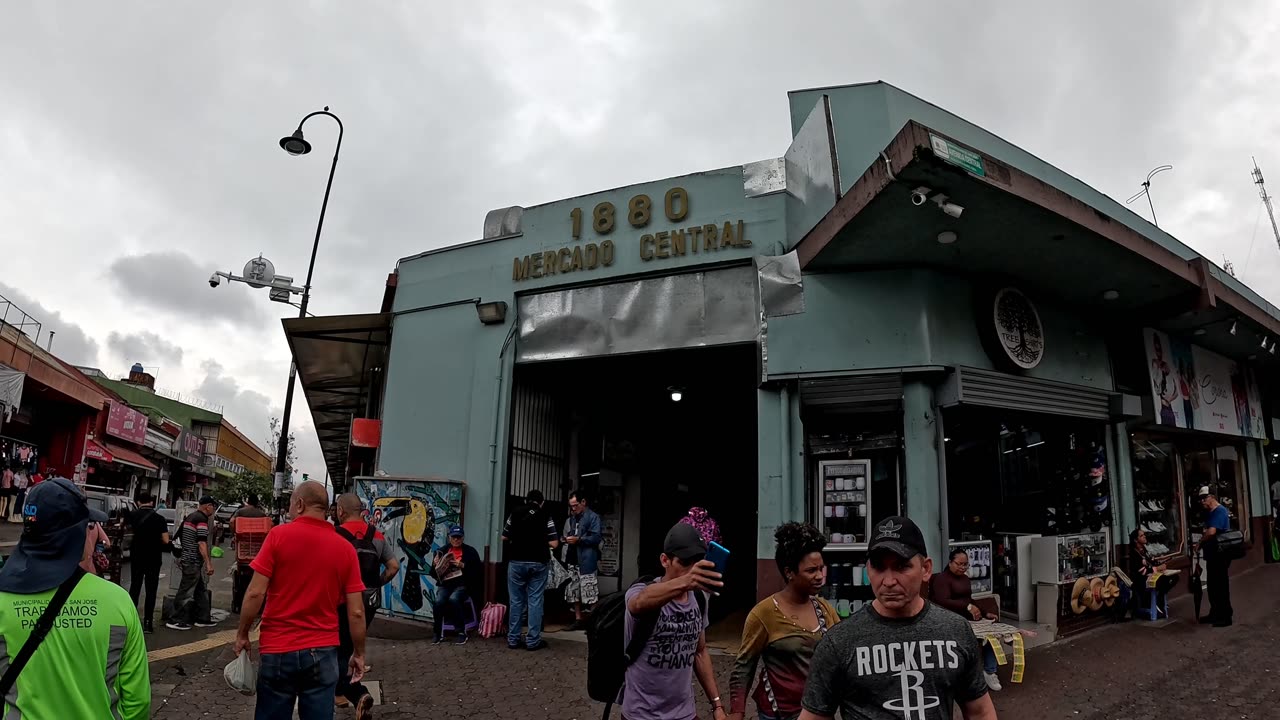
{"points": [[338, 359]]}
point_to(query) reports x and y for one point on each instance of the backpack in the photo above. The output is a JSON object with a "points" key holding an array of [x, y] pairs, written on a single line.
{"points": [[367, 555], [608, 656]]}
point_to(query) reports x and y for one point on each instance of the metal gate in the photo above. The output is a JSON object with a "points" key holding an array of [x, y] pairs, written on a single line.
{"points": [[539, 448], [993, 389]]}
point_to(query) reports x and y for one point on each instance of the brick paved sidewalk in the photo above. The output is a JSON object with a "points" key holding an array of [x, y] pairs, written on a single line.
{"points": [[1136, 670]]}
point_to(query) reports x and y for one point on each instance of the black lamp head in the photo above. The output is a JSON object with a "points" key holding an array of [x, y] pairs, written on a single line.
{"points": [[295, 144]]}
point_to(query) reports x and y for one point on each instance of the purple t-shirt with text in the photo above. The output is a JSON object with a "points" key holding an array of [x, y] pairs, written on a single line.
{"points": [[659, 683]]}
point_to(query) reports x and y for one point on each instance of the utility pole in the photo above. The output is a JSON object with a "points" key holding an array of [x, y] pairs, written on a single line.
{"points": [[1266, 199]]}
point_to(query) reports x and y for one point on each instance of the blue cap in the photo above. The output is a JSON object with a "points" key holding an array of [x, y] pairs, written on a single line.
{"points": [[55, 518], [455, 531]]}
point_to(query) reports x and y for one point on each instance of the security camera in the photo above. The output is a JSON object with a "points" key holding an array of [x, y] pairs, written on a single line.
{"points": [[952, 209], [215, 280], [919, 196]]}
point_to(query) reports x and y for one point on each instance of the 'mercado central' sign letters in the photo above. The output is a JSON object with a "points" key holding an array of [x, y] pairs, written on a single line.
{"points": [[690, 240]]}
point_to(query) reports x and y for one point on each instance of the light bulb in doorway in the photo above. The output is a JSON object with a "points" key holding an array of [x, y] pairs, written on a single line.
{"points": [[676, 394]]}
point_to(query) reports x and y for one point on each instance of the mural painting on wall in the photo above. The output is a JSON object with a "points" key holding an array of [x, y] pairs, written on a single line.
{"points": [[1196, 389], [414, 514]]}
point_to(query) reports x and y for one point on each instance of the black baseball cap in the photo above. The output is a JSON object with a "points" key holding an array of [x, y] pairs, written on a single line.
{"points": [[898, 535], [685, 543], [208, 500], [55, 518]]}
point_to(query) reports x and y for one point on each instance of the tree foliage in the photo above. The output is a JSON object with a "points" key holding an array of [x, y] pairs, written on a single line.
{"points": [[242, 486], [274, 447]]}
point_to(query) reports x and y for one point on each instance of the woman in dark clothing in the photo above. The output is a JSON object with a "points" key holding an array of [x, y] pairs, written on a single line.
{"points": [[953, 590], [1141, 567]]}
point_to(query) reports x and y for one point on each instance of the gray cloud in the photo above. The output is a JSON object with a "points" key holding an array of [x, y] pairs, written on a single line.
{"points": [[175, 283], [249, 410], [145, 347], [70, 342]]}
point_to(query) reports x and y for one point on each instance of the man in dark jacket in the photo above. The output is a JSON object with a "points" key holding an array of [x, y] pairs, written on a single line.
{"points": [[150, 542], [582, 556], [531, 535], [456, 568]]}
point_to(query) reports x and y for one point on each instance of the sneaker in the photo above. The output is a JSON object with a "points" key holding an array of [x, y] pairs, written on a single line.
{"points": [[184, 626], [540, 645], [576, 625], [993, 682], [148, 627], [462, 639], [364, 707], [516, 646], [437, 641], [200, 624]]}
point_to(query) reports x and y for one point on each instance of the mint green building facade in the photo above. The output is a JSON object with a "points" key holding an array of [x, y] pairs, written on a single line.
{"points": [[882, 340]]}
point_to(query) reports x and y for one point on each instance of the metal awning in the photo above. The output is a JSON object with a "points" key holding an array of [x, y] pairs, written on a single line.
{"points": [[124, 456], [339, 359], [1015, 225]]}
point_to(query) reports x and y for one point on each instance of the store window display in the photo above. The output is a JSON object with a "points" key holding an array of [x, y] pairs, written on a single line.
{"points": [[857, 483], [1023, 473], [1159, 500], [1167, 472]]}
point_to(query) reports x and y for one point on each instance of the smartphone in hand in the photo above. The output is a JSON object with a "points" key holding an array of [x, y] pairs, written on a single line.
{"points": [[718, 555]]}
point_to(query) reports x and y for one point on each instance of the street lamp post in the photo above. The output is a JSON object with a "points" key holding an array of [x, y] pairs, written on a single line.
{"points": [[296, 144]]}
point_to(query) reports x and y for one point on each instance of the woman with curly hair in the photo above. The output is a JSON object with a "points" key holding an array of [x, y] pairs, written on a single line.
{"points": [[783, 630]]}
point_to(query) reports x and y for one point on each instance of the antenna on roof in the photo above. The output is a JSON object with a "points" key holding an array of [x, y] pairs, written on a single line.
{"points": [[1146, 190], [1266, 199]]}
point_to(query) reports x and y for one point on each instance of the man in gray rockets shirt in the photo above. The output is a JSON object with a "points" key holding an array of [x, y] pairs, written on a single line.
{"points": [[901, 657]]}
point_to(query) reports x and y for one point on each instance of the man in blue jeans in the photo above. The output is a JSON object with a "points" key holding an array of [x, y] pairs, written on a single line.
{"points": [[458, 573], [530, 535], [309, 573]]}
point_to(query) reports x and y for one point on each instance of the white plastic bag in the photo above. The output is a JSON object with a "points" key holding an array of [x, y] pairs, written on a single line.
{"points": [[241, 674]]}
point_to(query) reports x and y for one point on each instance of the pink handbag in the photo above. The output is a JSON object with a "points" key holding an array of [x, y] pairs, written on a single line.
{"points": [[493, 620]]}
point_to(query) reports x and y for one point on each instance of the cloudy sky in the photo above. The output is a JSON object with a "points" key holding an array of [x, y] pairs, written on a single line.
{"points": [[138, 141]]}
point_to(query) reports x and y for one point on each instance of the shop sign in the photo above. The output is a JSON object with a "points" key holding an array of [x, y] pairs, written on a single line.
{"points": [[1195, 389], [961, 157], [126, 423], [94, 451], [1018, 330], [189, 447], [702, 239]]}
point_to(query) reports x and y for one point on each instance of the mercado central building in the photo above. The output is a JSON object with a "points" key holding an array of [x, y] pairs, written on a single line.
{"points": [[902, 313]]}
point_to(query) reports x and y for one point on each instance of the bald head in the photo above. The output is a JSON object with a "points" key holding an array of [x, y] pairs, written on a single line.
{"points": [[349, 507], [313, 498]]}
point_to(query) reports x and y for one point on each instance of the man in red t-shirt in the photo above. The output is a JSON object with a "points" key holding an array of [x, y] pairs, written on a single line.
{"points": [[306, 571]]}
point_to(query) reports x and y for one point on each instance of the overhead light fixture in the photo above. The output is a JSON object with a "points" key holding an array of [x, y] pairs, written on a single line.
{"points": [[1273, 348], [1200, 331], [946, 237], [492, 313], [1233, 327], [1264, 342], [295, 144], [1110, 294], [677, 394]]}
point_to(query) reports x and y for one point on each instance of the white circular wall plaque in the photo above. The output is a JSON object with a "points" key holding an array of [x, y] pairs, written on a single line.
{"points": [[1018, 328]]}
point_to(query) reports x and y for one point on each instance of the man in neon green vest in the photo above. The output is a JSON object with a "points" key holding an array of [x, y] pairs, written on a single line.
{"points": [[93, 663]]}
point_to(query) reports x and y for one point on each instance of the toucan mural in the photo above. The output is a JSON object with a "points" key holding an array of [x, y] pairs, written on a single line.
{"points": [[414, 514]]}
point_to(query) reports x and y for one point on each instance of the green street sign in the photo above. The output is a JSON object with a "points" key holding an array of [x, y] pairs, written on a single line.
{"points": [[961, 157]]}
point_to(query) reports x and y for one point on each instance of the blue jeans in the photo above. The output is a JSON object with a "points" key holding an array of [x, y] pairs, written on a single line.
{"points": [[989, 659], [526, 584], [449, 608], [305, 677]]}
